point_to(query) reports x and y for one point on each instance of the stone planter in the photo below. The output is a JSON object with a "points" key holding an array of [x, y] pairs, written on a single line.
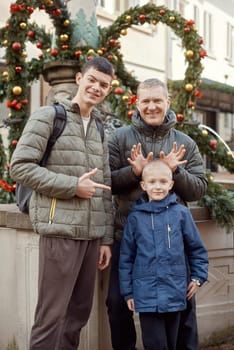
{"points": [[61, 77]]}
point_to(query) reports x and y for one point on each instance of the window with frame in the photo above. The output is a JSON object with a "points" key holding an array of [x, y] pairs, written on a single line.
{"points": [[100, 3], [196, 16], [208, 31], [230, 43], [121, 6]]}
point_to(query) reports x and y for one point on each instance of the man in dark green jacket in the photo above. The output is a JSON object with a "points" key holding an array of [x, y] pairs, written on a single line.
{"points": [[71, 208], [150, 136]]}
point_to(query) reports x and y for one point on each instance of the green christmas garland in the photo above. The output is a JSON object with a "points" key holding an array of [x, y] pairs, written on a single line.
{"points": [[20, 72]]}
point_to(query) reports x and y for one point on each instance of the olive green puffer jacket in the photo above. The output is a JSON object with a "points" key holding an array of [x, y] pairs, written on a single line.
{"points": [[55, 210]]}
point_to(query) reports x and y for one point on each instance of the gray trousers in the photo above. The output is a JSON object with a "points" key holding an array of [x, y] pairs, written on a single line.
{"points": [[67, 270]]}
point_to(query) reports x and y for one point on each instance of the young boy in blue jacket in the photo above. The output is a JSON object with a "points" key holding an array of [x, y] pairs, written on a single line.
{"points": [[158, 236]]}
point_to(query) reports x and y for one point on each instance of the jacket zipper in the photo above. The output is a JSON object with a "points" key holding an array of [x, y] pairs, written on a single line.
{"points": [[52, 210], [169, 235]]}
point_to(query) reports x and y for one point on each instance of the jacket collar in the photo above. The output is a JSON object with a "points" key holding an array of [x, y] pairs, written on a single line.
{"points": [[154, 131]]}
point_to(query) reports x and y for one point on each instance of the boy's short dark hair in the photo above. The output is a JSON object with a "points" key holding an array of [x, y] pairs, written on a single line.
{"points": [[101, 64]]}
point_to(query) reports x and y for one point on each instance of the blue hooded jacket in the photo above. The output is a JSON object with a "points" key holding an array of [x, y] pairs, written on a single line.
{"points": [[158, 236]]}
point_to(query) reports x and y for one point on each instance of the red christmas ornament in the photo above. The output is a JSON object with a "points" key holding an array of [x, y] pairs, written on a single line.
{"points": [[162, 12], [201, 41], [213, 144], [190, 22], [78, 53], [130, 113], [25, 102], [133, 99], [14, 142], [197, 94], [179, 117], [31, 34], [16, 46], [191, 104], [65, 47], [54, 52], [18, 69], [187, 29], [118, 91], [56, 12], [39, 45], [30, 9], [142, 18], [112, 42], [8, 104], [203, 53], [18, 106]]}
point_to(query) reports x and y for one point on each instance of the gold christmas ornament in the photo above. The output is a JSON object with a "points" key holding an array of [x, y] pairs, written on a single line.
{"points": [[17, 90], [100, 52], [115, 83], [128, 18], [123, 32], [66, 23], [49, 2], [189, 53], [24, 54], [5, 74], [5, 43], [23, 25], [125, 98], [189, 87], [63, 37], [90, 52], [154, 22], [172, 19], [204, 132]]}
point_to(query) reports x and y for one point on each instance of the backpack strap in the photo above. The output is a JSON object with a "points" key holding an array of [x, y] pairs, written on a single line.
{"points": [[100, 128], [60, 120]]}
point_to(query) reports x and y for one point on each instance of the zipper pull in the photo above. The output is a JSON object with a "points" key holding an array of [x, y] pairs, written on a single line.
{"points": [[52, 210]]}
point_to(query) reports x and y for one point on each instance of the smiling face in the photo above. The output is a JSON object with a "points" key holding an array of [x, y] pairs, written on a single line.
{"points": [[94, 86], [152, 103], [157, 180]]}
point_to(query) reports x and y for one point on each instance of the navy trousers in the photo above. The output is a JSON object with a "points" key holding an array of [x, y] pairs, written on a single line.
{"points": [[123, 333], [159, 331]]}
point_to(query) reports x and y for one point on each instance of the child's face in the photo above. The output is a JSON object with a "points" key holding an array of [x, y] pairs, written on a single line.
{"points": [[157, 183]]}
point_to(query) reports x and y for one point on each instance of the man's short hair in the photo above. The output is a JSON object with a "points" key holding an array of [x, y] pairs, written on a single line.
{"points": [[101, 64], [149, 83]]}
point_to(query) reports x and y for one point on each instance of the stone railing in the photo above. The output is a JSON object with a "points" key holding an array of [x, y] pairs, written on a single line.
{"points": [[18, 291]]}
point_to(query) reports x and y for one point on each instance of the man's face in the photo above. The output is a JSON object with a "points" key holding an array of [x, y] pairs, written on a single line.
{"points": [[94, 86], [152, 104]]}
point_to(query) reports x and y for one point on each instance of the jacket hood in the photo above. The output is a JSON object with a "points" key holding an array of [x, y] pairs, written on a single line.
{"points": [[159, 130], [143, 204]]}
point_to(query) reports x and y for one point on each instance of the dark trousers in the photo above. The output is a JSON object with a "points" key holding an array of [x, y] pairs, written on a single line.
{"points": [[123, 334], [159, 331], [67, 270]]}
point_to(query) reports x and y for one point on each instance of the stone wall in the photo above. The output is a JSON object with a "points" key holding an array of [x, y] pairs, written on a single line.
{"points": [[18, 291]]}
